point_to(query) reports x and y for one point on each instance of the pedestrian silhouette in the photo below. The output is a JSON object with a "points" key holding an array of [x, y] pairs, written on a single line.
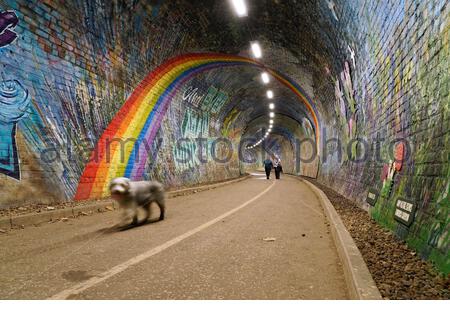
{"points": [[268, 165]]}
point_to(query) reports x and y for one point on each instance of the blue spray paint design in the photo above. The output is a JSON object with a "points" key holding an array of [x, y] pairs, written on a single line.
{"points": [[14, 105]]}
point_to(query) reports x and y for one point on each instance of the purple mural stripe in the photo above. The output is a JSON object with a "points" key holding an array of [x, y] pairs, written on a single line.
{"points": [[8, 20]]}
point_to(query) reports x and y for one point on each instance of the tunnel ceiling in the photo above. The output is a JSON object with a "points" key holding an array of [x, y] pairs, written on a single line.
{"points": [[299, 39], [285, 126], [306, 30], [248, 94]]}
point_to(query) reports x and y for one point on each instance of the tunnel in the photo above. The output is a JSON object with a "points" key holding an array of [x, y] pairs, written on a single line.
{"points": [[351, 95]]}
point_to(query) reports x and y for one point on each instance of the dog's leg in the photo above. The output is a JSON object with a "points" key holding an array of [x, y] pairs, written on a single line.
{"points": [[125, 216], [148, 211], [132, 213], [135, 216], [162, 209]]}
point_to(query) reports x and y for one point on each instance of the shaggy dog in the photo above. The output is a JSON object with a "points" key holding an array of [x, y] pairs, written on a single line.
{"points": [[134, 194]]}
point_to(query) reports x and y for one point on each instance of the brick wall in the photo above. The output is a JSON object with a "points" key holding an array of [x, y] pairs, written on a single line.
{"points": [[394, 84]]}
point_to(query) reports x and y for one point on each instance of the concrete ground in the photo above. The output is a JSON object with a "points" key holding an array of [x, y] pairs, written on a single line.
{"points": [[211, 246]]}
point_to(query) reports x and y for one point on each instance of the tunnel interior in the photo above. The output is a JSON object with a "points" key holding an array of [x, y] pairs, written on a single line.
{"points": [[171, 90]]}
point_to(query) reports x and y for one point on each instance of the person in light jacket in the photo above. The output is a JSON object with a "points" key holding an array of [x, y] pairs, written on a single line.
{"points": [[278, 168]]}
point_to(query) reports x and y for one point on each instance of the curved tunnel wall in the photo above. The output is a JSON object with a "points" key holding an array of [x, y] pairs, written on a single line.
{"points": [[374, 70], [389, 91], [141, 116]]}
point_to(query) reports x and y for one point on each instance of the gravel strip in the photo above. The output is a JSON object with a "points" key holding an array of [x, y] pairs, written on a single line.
{"points": [[397, 270], [42, 207]]}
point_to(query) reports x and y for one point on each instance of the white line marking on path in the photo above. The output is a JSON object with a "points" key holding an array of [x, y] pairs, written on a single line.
{"points": [[133, 261]]}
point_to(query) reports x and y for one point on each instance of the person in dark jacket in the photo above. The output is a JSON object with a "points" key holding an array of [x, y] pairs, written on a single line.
{"points": [[268, 165]]}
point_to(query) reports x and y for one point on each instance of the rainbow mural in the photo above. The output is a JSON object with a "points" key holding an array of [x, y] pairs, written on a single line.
{"points": [[140, 118]]}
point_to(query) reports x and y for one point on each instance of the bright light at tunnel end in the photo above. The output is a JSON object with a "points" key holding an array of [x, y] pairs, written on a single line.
{"points": [[256, 49], [240, 7]]}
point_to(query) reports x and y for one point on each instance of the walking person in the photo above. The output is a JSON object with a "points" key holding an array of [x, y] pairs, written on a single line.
{"points": [[278, 168], [268, 165]]}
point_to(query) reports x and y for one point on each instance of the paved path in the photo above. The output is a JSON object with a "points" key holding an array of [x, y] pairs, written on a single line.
{"points": [[209, 247]]}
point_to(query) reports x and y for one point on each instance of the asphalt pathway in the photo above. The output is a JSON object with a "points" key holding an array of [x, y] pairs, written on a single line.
{"points": [[255, 239]]}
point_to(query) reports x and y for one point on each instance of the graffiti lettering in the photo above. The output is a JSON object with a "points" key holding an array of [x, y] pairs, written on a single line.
{"points": [[211, 102], [195, 125], [209, 99], [191, 95]]}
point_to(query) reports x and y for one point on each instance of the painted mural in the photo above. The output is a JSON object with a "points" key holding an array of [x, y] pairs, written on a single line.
{"points": [[390, 92], [81, 103], [14, 105], [8, 21], [347, 110], [136, 120], [190, 152]]}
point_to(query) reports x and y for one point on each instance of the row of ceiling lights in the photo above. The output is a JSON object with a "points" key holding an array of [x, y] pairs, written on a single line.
{"points": [[241, 10]]}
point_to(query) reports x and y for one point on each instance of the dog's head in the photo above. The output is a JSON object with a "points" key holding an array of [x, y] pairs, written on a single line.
{"points": [[119, 187]]}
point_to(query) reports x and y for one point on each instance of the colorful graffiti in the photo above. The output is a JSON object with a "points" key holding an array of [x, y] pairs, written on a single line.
{"points": [[190, 152], [389, 170], [210, 102], [14, 106], [136, 120], [307, 127], [346, 108], [394, 92], [214, 100], [8, 21], [186, 154], [195, 125], [228, 121]]}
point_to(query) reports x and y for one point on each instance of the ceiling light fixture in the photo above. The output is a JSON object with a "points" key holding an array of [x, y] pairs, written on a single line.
{"points": [[265, 77], [256, 49], [272, 114], [269, 94], [240, 7], [271, 106]]}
